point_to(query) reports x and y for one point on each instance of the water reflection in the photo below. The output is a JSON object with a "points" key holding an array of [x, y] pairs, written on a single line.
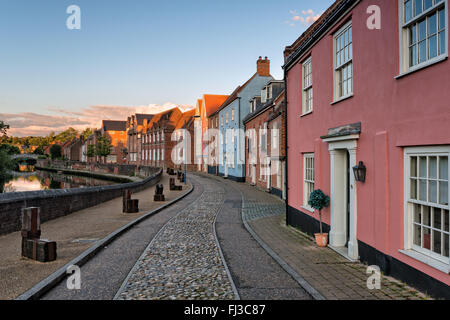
{"points": [[29, 180]]}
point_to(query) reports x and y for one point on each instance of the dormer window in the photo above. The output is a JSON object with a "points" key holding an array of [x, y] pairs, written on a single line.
{"points": [[251, 106], [264, 95], [269, 92]]}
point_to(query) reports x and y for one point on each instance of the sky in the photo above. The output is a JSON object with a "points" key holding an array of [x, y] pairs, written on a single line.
{"points": [[134, 55]]}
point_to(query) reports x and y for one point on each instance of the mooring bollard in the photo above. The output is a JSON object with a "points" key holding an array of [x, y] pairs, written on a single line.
{"points": [[32, 246], [173, 186], [159, 193], [129, 205], [182, 177]]}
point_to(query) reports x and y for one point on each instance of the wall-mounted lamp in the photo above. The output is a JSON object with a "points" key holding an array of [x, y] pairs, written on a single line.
{"points": [[360, 172]]}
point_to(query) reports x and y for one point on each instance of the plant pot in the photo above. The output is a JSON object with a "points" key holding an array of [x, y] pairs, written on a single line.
{"points": [[321, 239]]}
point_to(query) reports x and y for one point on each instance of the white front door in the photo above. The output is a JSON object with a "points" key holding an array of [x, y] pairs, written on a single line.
{"points": [[343, 197]]}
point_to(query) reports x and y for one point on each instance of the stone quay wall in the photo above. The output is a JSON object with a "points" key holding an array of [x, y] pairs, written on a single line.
{"points": [[58, 203]]}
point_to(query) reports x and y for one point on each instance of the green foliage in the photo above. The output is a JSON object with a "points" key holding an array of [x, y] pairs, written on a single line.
{"points": [[55, 151], [9, 149], [90, 151], [318, 200], [67, 135], [6, 164], [42, 157], [103, 147], [3, 128], [39, 150], [87, 132]]}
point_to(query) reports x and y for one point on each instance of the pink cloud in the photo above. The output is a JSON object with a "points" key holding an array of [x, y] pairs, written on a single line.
{"points": [[33, 124], [306, 17]]}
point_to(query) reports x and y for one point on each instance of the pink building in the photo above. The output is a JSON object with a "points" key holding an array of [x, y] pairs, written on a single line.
{"points": [[381, 97]]}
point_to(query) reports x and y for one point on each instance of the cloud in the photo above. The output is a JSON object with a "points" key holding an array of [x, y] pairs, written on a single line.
{"points": [[59, 119], [305, 18]]}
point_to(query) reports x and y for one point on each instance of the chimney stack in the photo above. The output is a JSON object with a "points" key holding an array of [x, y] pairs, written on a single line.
{"points": [[263, 67]]}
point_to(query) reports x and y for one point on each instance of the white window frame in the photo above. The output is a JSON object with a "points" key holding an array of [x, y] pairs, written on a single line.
{"points": [[232, 114], [404, 39], [308, 182], [338, 67], [307, 87], [418, 252]]}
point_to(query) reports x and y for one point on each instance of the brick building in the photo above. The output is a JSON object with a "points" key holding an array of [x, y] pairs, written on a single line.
{"points": [[259, 139], [116, 132], [134, 128]]}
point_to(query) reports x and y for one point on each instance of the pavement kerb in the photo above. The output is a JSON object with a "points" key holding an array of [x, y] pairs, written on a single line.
{"points": [[316, 295], [51, 281]]}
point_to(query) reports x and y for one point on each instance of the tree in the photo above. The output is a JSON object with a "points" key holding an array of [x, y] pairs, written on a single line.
{"points": [[87, 132], [90, 151], [103, 147], [9, 149], [39, 150], [3, 128], [319, 200], [55, 151], [6, 164], [67, 135]]}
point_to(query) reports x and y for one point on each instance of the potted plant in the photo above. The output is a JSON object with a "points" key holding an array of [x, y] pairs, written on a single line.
{"points": [[319, 200]]}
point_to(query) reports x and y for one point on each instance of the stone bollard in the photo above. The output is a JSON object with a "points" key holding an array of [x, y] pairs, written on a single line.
{"points": [[171, 172], [129, 205], [32, 246], [159, 193], [173, 186]]}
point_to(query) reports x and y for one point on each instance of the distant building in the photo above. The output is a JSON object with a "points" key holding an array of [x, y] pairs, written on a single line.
{"points": [[116, 132], [231, 126]]}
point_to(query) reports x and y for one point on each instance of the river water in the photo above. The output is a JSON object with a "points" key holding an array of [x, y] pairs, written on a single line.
{"points": [[30, 180]]}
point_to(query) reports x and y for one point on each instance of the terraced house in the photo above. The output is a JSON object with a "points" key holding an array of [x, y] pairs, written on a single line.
{"points": [[134, 136], [367, 123], [231, 126], [262, 151]]}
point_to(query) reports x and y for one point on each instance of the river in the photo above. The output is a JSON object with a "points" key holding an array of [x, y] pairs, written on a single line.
{"points": [[30, 180]]}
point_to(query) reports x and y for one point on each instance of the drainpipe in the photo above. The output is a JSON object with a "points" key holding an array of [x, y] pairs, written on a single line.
{"points": [[239, 138], [286, 143]]}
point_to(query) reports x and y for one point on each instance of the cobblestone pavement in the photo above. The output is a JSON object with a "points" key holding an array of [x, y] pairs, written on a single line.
{"points": [[328, 272], [102, 275], [183, 261]]}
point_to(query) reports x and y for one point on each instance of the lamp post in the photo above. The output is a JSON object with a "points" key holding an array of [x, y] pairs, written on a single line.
{"points": [[185, 153]]}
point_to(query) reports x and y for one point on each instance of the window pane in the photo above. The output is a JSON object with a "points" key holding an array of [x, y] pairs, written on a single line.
{"points": [[408, 10], [423, 167], [427, 4], [432, 24], [413, 189], [437, 241], [446, 222], [441, 15], [426, 216], [443, 193], [423, 190], [417, 213], [446, 241], [422, 30], [417, 235], [432, 174], [413, 56], [427, 238], [422, 51], [437, 218], [413, 167], [417, 7], [413, 34], [443, 168], [442, 42], [433, 191]]}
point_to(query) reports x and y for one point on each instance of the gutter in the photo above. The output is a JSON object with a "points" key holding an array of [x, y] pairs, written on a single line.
{"points": [[286, 185]]}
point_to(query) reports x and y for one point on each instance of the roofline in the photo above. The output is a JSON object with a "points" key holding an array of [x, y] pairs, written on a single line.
{"points": [[327, 23]]}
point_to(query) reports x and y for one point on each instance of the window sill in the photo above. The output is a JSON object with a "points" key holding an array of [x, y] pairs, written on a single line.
{"points": [[306, 113], [308, 209], [436, 264], [342, 99], [422, 66]]}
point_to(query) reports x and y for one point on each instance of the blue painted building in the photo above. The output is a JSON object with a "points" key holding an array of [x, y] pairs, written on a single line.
{"points": [[231, 126]]}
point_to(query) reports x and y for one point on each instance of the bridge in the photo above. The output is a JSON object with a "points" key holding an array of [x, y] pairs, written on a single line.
{"points": [[25, 156]]}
